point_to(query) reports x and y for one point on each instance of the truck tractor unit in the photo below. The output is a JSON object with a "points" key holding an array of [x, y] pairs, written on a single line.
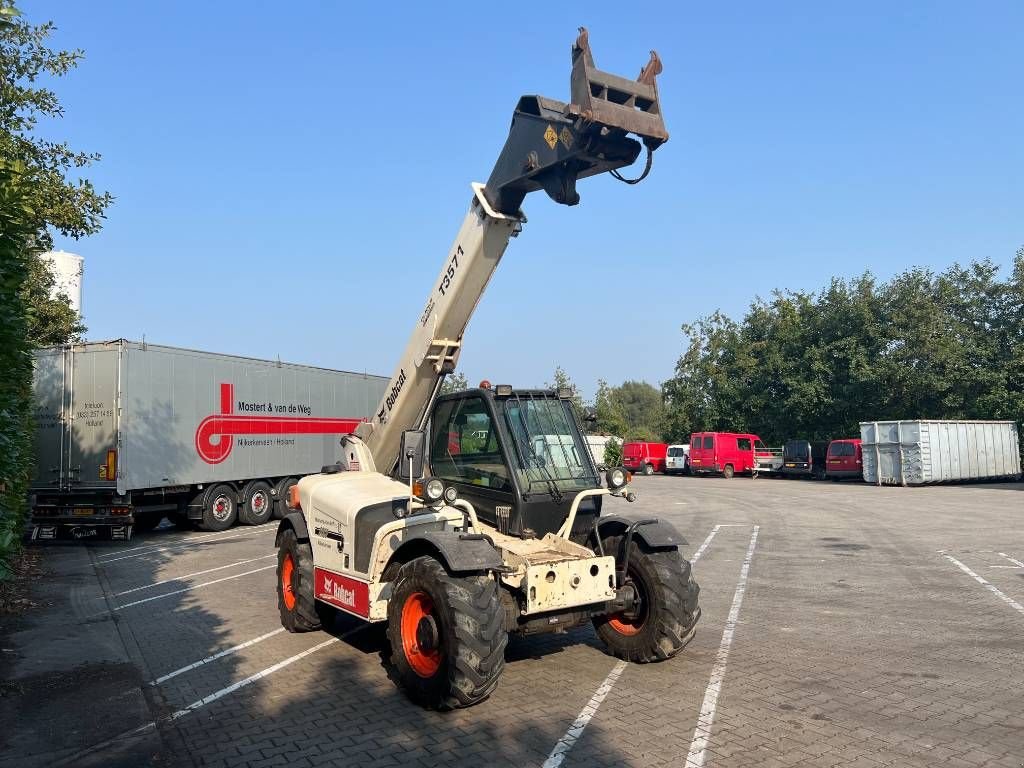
{"points": [[461, 518]]}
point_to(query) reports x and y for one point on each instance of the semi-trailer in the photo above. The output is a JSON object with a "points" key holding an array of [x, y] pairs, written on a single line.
{"points": [[128, 433]]}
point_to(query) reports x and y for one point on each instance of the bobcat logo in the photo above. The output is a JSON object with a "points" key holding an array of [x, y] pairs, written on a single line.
{"points": [[339, 593]]}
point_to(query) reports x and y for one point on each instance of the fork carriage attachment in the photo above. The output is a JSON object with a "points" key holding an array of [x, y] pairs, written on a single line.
{"points": [[551, 144]]}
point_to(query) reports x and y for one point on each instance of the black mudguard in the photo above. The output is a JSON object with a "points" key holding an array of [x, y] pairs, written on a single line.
{"points": [[292, 521], [458, 551], [659, 535]]}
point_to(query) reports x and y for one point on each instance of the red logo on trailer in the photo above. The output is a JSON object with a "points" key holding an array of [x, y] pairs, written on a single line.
{"points": [[215, 434], [352, 595]]}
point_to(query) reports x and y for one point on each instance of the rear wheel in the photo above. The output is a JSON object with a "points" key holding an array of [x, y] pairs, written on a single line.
{"points": [[665, 612], [446, 635], [219, 510], [648, 469], [257, 504], [728, 472], [295, 601], [284, 489]]}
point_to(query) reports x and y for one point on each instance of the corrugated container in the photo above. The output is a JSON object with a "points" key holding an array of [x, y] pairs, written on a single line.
{"points": [[930, 451], [126, 416]]}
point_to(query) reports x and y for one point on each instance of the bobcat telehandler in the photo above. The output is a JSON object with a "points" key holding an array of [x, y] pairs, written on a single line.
{"points": [[460, 518]]}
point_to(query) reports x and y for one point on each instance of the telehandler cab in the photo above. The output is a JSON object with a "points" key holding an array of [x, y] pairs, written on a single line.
{"points": [[458, 519]]}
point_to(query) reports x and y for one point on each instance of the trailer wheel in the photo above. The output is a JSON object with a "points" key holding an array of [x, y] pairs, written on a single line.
{"points": [[664, 619], [728, 472], [257, 503], [446, 636], [295, 601], [284, 489], [219, 509], [648, 469]]}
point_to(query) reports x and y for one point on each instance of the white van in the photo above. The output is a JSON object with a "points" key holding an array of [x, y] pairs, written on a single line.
{"points": [[677, 460]]}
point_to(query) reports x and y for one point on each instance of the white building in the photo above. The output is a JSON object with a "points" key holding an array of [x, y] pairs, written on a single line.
{"points": [[67, 268]]}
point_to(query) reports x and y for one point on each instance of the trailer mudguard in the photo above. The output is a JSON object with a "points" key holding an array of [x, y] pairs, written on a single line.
{"points": [[659, 535], [458, 551], [293, 521]]}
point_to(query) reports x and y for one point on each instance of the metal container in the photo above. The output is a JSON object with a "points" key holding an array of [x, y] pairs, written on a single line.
{"points": [[126, 416], [929, 451]]}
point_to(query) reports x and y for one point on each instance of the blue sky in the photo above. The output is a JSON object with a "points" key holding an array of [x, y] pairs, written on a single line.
{"points": [[289, 177]]}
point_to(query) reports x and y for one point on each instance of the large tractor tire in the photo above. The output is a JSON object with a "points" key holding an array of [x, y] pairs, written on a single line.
{"points": [[665, 618], [446, 636], [257, 503], [295, 601]]}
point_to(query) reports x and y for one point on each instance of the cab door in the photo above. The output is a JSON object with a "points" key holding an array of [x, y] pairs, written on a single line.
{"points": [[465, 452]]}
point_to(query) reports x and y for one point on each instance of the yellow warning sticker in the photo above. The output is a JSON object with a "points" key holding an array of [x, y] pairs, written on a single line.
{"points": [[551, 137], [566, 138]]}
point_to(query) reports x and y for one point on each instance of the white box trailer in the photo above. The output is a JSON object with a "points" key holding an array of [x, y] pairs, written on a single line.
{"points": [[930, 451], [129, 432]]}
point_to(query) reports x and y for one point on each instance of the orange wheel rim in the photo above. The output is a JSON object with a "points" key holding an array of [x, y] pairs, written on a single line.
{"points": [[424, 662], [631, 625], [287, 571]]}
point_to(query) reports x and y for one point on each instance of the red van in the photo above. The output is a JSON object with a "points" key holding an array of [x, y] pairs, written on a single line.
{"points": [[844, 459], [729, 453], [644, 458]]}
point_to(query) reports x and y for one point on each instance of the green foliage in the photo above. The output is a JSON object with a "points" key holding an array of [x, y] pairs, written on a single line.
{"points": [[613, 453], [16, 217], [72, 207], [36, 194], [922, 345], [454, 382], [562, 381], [632, 410], [51, 319]]}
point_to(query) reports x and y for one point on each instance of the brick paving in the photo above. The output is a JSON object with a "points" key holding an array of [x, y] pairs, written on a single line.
{"points": [[857, 644]]}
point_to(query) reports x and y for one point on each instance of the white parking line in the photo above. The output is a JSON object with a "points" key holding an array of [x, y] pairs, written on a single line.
{"points": [[190, 575], [1013, 560], [183, 545], [576, 729], [194, 586], [990, 587], [572, 735], [252, 679], [214, 657], [702, 733], [188, 539], [75, 758]]}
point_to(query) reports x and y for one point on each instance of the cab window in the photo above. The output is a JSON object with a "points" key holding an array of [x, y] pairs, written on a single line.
{"points": [[743, 443], [464, 447]]}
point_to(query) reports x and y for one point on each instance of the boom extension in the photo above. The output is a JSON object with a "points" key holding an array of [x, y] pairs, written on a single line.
{"points": [[550, 145]]}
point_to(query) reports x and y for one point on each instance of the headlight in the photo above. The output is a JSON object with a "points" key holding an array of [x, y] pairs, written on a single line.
{"points": [[616, 478], [450, 494], [433, 489]]}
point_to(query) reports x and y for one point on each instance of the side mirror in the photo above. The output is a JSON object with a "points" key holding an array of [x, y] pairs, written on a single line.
{"points": [[412, 454]]}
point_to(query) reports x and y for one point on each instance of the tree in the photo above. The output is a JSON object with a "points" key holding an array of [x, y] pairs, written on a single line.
{"points": [[454, 382], [563, 381], [51, 319]]}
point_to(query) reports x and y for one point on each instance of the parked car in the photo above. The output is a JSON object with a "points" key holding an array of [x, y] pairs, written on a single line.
{"points": [[644, 458], [803, 458], [677, 459], [727, 453], [844, 459]]}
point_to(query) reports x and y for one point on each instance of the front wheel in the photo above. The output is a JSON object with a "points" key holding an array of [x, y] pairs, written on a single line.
{"points": [[446, 636], [665, 612], [295, 600]]}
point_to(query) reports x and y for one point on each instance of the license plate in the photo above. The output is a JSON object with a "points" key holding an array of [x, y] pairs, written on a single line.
{"points": [[835, 461], [791, 465], [82, 511]]}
